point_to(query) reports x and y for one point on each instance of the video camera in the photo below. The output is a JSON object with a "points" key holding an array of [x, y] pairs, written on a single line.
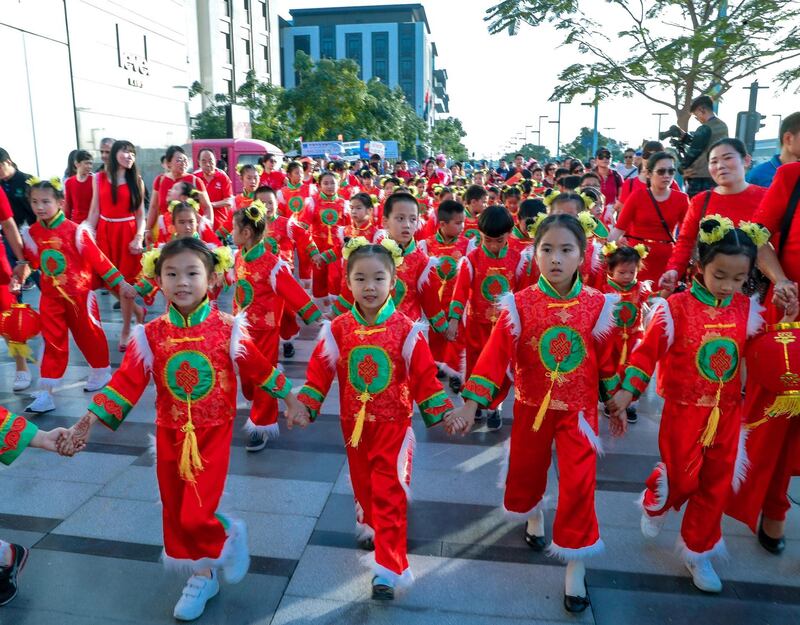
{"points": [[678, 139]]}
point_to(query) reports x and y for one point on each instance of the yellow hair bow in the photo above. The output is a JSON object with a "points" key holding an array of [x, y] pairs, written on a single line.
{"points": [[394, 250], [534, 226], [757, 233], [549, 198], [55, 182], [149, 260], [717, 233], [223, 259], [588, 223], [609, 248], [256, 212], [588, 202], [642, 250]]}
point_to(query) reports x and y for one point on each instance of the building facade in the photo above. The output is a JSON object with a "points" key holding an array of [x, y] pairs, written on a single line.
{"points": [[391, 42], [76, 71]]}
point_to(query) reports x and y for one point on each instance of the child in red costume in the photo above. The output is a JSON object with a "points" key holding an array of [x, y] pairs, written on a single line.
{"points": [[361, 223], [249, 175], [193, 353], [326, 212], [69, 259], [448, 247], [292, 200], [475, 202], [553, 338], [383, 364], [520, 239], [622, 269], [417, 288], [348, 183], [698, 337], [484, 276], [264, 286]]}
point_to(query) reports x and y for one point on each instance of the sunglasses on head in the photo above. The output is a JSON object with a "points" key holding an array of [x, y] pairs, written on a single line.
{"points": [[665, 171]]}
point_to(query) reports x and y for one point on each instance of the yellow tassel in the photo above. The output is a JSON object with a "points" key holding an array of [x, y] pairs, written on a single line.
{"points": [[537, 422], [330, 236], [358, 428], [788, 405], [624, 356], [190, 463], [20, 350], [710, 433]]}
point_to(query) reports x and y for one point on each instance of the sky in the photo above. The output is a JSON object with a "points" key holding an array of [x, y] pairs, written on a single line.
{"points": [[499, 85]]}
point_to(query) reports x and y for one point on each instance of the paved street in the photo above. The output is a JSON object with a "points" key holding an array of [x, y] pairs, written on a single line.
{"points": [[94, 524]]}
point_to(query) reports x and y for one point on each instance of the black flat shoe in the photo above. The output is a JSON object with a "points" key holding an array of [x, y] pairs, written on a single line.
{"points": [[774, 545], [455, 384], [631, 415], [368, 544], [576, 604], [537, 543], [288, 350], [382, 592]]}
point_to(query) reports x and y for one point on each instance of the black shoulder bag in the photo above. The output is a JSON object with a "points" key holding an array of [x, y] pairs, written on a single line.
{"points": [[660, 215]]}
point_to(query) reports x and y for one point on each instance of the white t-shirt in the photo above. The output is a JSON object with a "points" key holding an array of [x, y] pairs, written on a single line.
{"points": [[626, 172]]}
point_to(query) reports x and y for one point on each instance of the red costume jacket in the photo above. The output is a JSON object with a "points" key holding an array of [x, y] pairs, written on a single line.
{"points": [[448, 256], [292, 199], [628, 315], [16, 433]]}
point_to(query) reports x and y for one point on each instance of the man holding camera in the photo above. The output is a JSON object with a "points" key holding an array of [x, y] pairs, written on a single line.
{"points": [[694, 163]]}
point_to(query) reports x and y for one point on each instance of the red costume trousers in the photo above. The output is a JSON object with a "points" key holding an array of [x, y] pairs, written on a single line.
{"points": [[82, 319], [476, 335], [264, 411], [380, 470], [773, 449], [192, 530], [325, 279], [575, 529], [689, 472]]}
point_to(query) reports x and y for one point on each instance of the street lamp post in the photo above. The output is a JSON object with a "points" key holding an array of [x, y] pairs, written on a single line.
{"points": [[659, 115], [558, 130], [596, 105], [780, 121]]}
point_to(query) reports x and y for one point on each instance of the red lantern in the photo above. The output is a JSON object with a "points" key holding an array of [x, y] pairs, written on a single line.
{"points": [[774, 362], [19, 324]]}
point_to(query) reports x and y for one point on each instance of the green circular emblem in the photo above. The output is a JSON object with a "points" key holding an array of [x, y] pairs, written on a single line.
{"points": [[718, 359], [329, 217], [369, 369], [561, 347], [189, 375], [472, 233], [295, 204], [244, 293], [494, 286], [626, 314], [447, 268], [271, 244], [399, 292], [53, 262]]}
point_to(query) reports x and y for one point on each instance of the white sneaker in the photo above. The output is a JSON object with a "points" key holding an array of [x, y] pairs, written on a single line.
{"points": [[704, 576], [97, 379], [43, 402], [651, 525], [22, 380], [239, 560], [196, 593]]}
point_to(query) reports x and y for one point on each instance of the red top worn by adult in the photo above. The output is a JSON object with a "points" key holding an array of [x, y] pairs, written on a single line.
{"points": [[77, 198], [610, 186], [5, 214], [273, 179], [770, 214], [632, 184], [639, 219], [219, 188], [736, 206]]}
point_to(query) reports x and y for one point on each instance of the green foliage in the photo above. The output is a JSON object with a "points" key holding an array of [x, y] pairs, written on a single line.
{"points": [[329, 100], [529, 151], [581, 146], [678, 49], [446, 137]]}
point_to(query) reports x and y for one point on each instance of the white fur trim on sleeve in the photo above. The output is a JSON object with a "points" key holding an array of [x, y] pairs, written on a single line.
{"points": [[423, 245], [329, 347], [425, 276], [509, 304], [754, 319], [29, 243], [524, 258], [472, 245], [238, 334], [141, 348], [605, 322], [417, 332], [586, 429], [742, 464], [273, 275], [594, 262], [83, 229], [465, 262], [660, 307]]}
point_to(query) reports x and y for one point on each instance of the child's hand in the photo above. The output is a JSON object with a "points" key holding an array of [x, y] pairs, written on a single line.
{"points": [[76, 438], [790, 311], [617, 404], [127, 291], [452, 330], [618, 423], [48, 440], [460, 420], [669, 280], [296, 413], [317, 260]]}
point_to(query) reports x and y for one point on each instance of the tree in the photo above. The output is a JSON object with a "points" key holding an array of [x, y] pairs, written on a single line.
{"points": [[387, 115], [529, 151], [581, 146], [446, 137], [678, 49]]}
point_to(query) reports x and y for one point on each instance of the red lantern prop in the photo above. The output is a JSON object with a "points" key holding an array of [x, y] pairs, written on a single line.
{"points": [[19, 324], [774, 362]]}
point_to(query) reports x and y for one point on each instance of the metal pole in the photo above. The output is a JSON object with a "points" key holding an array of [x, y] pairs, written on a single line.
{"points": [[659, 115], [558, 132], [716, 87], [72, 80]]}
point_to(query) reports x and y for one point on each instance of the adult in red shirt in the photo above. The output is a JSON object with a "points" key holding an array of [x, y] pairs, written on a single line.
{"points": [[178, 163], [733, 198], [78, 188], [773, 445], [271, 177], [219, 189], [432, 175], [610, 180], [631, 184], [401, 171], [641, 222]]}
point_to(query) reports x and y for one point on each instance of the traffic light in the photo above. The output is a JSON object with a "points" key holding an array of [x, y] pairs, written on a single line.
{"points": [[748, 123]]}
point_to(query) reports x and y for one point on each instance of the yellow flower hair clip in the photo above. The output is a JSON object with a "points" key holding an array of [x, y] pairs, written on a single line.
{"points": [[55, 182], [549, 198], [588, 223], [757, 233], [723, 227], [534, 226], [588, 202], [609, 248], [223, 259], [438, 188], [374, 199], [32, 181], [394, 250], [642, 250], [256, 212], [352, 245], [149, 260]]}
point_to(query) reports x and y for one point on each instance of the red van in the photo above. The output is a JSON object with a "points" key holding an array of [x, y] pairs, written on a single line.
{"points": [[236, 152]]}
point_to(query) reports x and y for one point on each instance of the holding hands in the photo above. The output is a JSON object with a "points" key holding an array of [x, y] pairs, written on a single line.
{"points": [[296, 413], [461, 420], [618, 421]]}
